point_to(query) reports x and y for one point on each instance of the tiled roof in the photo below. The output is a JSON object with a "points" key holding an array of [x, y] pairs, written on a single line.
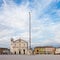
{"points": [[44, 47]]}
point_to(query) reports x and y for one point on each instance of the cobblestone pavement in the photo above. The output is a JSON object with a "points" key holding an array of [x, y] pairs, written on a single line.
{"points": [[29, 57]]}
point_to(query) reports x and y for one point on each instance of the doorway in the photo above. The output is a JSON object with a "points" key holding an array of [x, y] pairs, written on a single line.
{"points": [[24, 51], [19, 52], [15, 52]]}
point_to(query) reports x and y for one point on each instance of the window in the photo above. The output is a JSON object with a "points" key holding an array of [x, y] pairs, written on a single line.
{"points": [[14, 44], [24, 44], [37, 50], [19, 44]]}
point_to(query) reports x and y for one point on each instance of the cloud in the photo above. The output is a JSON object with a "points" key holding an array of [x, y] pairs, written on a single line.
{"points": [[12, 19], [14, 22]]}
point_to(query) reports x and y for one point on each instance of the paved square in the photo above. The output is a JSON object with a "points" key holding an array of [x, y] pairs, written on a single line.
{"points": [[29, 57]]}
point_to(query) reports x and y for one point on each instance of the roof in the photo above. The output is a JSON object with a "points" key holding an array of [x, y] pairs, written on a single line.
{"points": [[44, 47], [57, 47], [20, 40], [4, 48]]}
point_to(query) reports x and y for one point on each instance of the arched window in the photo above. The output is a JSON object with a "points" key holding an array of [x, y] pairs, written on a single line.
{"points": [[37, 50]]}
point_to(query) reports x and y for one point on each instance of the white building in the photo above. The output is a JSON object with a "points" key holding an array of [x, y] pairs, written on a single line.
{"points": [[57, 51], [19, 46]]}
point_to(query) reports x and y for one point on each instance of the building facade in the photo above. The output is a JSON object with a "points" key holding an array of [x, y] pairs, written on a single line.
{"points": [[18, 46], [49, 50], [39, 50], [57, 51], [4, 51], [44, 50]]}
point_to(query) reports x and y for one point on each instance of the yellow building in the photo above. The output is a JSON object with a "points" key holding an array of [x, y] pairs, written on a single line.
{"points": [[44, 50], [39, 50]]}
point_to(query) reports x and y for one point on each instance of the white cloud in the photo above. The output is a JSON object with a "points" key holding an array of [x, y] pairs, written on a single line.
{"points": [[16, 19]]}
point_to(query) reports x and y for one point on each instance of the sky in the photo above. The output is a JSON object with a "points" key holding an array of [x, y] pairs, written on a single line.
{"points": [[45, 22]]}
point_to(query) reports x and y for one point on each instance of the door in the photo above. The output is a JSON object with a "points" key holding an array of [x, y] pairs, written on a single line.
{"points": [[19, 52], [24, 51]]}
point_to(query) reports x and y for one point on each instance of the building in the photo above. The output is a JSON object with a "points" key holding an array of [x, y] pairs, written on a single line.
{"points": [[44, 50], [18, 46], [57, 51], [39, 50], [49, 50], [4, 51]]}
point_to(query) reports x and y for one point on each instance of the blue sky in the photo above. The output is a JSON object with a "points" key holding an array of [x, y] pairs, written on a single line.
{"points": [[45, 16]]}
